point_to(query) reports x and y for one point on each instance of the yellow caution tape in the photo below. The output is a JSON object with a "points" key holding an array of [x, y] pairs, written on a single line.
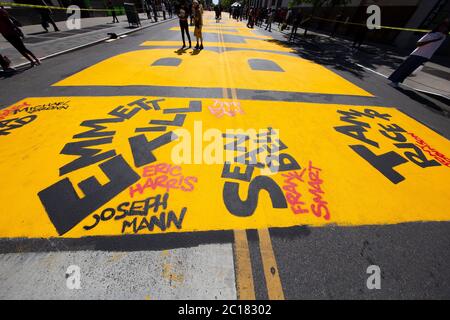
{"points": [[364, 25], [23, 5]]}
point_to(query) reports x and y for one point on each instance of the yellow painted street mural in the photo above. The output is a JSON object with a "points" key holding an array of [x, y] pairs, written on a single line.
{"points": [[86, 166], [237, 69]]}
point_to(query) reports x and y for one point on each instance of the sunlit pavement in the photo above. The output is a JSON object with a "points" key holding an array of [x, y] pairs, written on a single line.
{"points": [[124, 160]]}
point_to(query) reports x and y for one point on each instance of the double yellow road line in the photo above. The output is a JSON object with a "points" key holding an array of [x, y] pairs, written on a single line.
{"points": [[243, 264]]}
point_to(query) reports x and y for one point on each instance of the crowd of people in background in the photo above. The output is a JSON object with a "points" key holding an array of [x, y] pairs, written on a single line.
{"points": [[294, 19], [10, 27], [286, 19], [191, 13], [151, 9]]}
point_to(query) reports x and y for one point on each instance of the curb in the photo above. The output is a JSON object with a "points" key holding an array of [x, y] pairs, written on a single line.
{"points": [[92, 43]]}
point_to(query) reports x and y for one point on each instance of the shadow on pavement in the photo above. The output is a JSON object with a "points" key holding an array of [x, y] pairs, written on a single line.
{"points": [[339, 54], [425, 100], [9, 74]]}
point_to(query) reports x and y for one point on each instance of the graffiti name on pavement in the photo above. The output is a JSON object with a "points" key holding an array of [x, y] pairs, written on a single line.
{"points": [[440, 157], [403, 151], [67, 214], [166, 176], [137, 215], [11, 110], [241, 171], [318, 206], [105, 170], [228, 108], [6, 126], [60, 105]]}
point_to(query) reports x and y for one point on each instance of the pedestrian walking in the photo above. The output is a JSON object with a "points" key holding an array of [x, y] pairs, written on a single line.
{"points": [[155, 13], [296, 20], [286, 20], [269, 20], [260, 16], [169, 9], [251, 18], [163, 8], [184, 27], [46, 18], [9, 31], [336, 25], [198, 23], [257, 16], [113, 12], [217, 11], [360, 36], [148, 9], [426, 47]]}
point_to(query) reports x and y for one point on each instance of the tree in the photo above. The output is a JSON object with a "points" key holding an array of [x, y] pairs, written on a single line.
{"points": [[226, 4]]}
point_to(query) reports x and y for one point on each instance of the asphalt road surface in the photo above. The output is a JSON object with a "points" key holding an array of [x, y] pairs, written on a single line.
{"points": [[116, 167]]}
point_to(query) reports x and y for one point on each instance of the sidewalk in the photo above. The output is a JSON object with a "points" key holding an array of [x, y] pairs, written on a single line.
{"points": [[44, 44], [434, 78]]}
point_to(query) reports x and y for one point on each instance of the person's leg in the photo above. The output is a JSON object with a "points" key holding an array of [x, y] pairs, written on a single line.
{"points": [[182, 33], [294, 32], [44, 24], [406, 68], [187, 33], [186, 29], [17, 43], [52, 22]]}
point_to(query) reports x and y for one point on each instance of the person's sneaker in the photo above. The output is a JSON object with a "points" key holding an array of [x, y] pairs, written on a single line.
{"points": [[201, 47], [196, 47]]}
